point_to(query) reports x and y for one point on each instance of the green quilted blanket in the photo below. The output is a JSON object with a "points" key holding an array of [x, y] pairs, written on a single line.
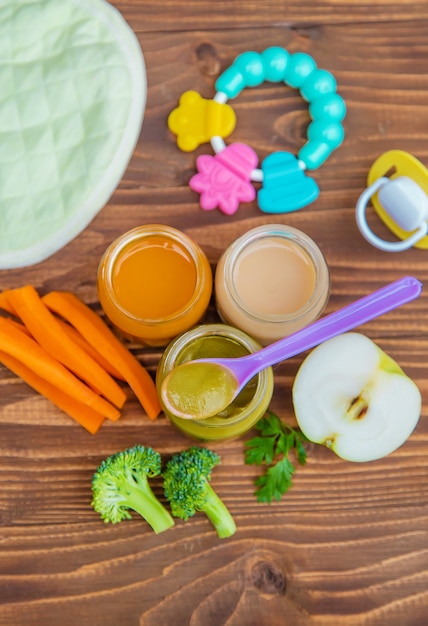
{"points": [[73, 90]]}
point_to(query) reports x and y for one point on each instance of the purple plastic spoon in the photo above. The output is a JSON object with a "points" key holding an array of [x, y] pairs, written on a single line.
{"points": [[230, 375]]}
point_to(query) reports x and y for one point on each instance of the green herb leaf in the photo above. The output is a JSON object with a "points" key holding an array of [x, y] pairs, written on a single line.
{"points": [[269, 425], [275, 482], [300, 450], [260, 450], [272, 449]]}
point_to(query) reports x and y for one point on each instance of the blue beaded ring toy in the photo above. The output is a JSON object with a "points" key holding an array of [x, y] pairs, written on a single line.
{"points": [[225, 179]]}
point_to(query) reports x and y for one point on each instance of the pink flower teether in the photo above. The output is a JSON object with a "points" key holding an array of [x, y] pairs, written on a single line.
{"points": [[224, 180]]}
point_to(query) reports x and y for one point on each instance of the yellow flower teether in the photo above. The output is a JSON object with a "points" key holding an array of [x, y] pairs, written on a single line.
{"points": [[196, 120]]}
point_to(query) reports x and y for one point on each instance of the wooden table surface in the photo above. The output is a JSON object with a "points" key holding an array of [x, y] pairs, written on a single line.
{"points": [[348, 544]]}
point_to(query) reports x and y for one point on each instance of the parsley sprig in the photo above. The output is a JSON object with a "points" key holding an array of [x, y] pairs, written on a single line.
{"points": [[272, 449]]}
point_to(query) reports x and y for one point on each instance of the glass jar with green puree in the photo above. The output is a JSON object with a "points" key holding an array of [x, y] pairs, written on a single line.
{"points": [[219, 340]]}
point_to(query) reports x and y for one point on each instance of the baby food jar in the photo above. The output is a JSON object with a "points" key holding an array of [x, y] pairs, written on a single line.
{"points": [[271, 281], [154, 283], [214, 340]]}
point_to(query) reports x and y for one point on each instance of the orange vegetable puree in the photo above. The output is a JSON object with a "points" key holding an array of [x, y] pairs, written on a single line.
{"points": [[154, 283], [154, 277]]}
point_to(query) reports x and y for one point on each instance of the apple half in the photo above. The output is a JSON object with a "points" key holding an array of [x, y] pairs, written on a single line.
{"points": [[351, 396]]}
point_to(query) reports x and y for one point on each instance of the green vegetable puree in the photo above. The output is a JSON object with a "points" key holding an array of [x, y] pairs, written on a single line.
{"points": [[220, 346], [198, 390], [241, 414]]}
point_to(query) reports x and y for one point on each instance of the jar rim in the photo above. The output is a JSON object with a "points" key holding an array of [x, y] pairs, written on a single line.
{"points": [[195, 252], [319, 296]]}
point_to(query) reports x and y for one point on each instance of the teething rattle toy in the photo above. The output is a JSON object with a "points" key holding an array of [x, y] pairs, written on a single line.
{"points": [[398, 191], [225, 179]]}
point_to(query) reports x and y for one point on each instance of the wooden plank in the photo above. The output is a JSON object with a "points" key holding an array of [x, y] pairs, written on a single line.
{"points": [[175, 15]]}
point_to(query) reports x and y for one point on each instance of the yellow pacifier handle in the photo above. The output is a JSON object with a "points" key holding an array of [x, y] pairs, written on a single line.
{"points": [[390, 166]]}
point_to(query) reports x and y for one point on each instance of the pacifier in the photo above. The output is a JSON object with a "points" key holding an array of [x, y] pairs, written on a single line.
{"points": [[398, 191]]}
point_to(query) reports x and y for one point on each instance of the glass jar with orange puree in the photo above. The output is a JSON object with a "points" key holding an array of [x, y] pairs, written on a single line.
{"points": [[218, 340], [154, 283]]}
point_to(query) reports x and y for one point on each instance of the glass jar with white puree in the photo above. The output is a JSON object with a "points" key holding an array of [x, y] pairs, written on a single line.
{"points": [[271, 281]]}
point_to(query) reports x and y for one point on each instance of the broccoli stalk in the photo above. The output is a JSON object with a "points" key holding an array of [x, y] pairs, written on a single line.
{"points": [[121, 483], [187, 488], [217, 512]]}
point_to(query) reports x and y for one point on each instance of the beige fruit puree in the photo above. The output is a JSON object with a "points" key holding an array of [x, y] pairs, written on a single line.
{"points": [[264, 287], [271, 281]]}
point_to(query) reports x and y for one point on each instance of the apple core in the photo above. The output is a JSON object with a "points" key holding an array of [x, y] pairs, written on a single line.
{"points": [[354, 398]]}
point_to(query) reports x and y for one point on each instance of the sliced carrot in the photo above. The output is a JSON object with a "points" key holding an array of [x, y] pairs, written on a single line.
{"points": [[81, 341], [25, 330], [50, 335], [99, 335], [76, 337], [85, 416], [25, 349], [20, 326], [5, 304]]}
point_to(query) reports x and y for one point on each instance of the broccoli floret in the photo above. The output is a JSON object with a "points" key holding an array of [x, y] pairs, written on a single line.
{"points": [[187, 488], [121, 483]]}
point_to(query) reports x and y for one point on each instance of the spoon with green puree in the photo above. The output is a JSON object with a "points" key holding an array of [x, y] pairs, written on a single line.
{"points": [[203, 388]]}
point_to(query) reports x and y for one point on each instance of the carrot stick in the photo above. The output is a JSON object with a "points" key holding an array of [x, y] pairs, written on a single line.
{"points": [[5, 304], [25, 330], [99, 335], [50, 335], [20, 327], [25, 349], [85, 416], [81, 341]]}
